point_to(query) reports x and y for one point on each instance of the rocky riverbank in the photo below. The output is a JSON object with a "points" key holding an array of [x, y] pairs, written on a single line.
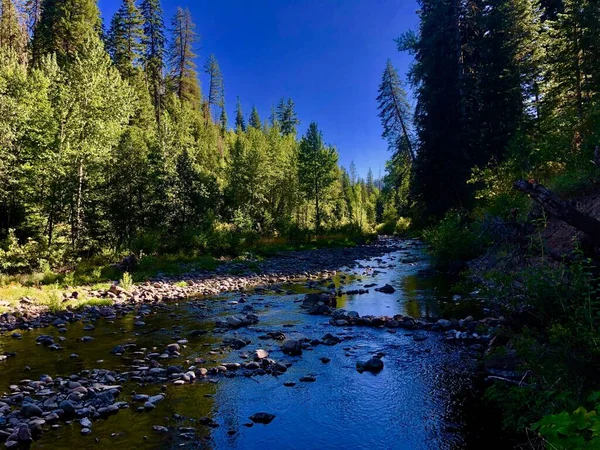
{"points": [[287, 267]]}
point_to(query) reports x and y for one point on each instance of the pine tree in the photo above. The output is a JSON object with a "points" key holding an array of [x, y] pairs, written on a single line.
{"points": [[240, 123], [64, 28], [13, 34], [183, 76], [33, 8], [223, 116], [394, 111], [287, 117], [316, 168], [441, 168], [215, 85], [125, 38], [154, 51], [255, 121]]}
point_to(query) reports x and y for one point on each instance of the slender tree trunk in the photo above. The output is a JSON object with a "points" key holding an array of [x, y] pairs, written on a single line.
{"points": [[78, 204]]}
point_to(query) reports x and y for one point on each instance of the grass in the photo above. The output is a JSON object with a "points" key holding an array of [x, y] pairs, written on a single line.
{"points": [[49, 296], [47, 288]]}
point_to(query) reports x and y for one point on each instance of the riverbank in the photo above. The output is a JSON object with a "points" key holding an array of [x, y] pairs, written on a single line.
{"points": [[287, 266]]}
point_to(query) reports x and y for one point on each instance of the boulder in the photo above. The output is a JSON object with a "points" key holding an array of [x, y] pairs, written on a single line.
{"points": [[387, 289], [262, 417], [373, 365], [292, 348]]}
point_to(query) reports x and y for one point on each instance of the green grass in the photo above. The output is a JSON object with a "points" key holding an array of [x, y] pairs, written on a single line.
{"points": [[48, 296]]}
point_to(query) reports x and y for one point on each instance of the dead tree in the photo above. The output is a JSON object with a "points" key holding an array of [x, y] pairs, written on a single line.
{"points": [[562, 209]]}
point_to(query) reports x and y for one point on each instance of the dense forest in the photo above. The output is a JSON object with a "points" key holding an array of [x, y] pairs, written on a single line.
{"points": [[108, 142], [504, 89]]}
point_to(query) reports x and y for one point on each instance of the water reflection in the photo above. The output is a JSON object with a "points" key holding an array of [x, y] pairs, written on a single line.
{"points": [[416, 402]]}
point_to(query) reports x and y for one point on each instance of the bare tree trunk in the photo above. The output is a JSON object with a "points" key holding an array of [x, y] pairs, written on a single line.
{"points": [[561, 209]]}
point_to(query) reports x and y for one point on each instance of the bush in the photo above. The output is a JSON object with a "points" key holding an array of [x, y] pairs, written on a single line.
{"points": [[16, 258], [451, 240], [402, 225], [126, 282], [580, 429]]}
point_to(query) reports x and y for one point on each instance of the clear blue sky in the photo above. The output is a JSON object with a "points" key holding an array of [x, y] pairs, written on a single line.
{"points": [[328, 55]]}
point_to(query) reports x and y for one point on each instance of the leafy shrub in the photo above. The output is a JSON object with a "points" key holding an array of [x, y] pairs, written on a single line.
{"points": [[19, 258], [126, 282], [580, 429], [451, 240], [402, 225]]}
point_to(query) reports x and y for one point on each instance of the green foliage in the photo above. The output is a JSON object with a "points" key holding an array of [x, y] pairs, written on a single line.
{"points": [[126, 281], [108, 151], [579, 429], [451, 240], [316, 165], [17, 258]]}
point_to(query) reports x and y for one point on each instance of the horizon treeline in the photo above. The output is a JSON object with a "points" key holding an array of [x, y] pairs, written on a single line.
{"points": [[504, 89], [107, 140]]}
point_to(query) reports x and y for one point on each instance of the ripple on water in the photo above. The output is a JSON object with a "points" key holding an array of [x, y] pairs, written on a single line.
{"points": [[408, 405]]}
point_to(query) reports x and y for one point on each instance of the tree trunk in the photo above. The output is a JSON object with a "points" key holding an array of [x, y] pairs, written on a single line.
{"points": [[78, 207], [561, 209]]}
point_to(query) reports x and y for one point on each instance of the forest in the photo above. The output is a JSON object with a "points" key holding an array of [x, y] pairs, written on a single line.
{"points": [[109, 146]]}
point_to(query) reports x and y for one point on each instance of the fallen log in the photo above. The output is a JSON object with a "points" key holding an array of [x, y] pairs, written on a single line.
{"points": [[561, 209]]}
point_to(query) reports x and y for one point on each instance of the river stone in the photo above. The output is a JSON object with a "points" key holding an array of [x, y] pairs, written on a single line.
{"points": [[262, 417], [292, 348], [67, 407], [445, 324], [30, 410], [85, 423], [387, 289], [373, 365], [260, 354], [173, 348], [308, 379], [419, 336], [234, 322]]}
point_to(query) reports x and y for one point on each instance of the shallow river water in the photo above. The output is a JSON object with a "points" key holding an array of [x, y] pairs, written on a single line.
{"points": [[424, 398]]}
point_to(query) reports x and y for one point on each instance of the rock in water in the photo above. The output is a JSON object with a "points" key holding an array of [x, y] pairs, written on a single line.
{"points": [[387, 289], [262, 417], [293, 348], [373, 365], [260, 354]]}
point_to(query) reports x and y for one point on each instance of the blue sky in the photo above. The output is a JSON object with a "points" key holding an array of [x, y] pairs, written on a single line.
{"points": [[328, 55]]}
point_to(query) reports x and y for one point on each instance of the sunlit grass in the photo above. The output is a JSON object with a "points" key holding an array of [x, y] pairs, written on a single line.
{"points": [[50, 297]]}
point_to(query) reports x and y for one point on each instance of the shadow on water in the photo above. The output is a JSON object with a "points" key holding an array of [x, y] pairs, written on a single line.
{"points": [[425, 398]]}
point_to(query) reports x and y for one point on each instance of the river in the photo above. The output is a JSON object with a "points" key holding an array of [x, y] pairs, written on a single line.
{"points": [[426, 397]]}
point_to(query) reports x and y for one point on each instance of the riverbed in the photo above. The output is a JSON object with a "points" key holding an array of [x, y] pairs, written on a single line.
{"points": [[426, 396]]}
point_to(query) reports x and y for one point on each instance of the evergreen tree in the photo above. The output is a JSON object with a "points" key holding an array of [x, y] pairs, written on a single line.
{"points": [[286, 117], [394, 111], [154, 51], [33, 8], [216, 87], [64, 28], [223, 116], [254, 121], [13, 34], [316, 169], [441, 169], [184, 81], [125, 38], [240, 123]]}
